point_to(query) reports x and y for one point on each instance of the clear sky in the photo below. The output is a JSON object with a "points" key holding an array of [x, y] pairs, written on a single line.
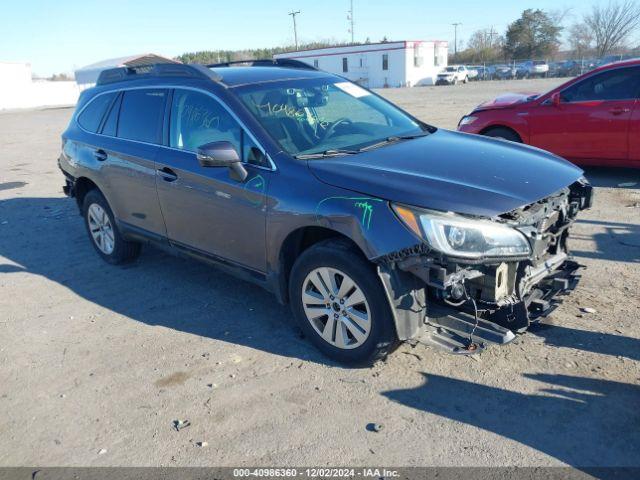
{"points": [[58, 36]]}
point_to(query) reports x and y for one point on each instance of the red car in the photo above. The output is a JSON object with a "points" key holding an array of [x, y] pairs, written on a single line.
{"points": [[593, 119]]}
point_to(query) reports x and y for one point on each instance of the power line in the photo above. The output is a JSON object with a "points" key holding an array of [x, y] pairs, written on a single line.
{"points": [[295, 29]]}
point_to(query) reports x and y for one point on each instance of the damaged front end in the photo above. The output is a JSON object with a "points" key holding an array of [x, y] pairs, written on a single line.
{"points": [[463, 300]]}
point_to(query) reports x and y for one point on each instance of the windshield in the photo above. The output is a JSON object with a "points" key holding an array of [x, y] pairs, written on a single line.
{"points": [[450, 69], [314, 116]]}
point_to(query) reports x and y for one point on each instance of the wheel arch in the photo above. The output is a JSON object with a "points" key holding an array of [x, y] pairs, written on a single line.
{"points": [[497, 126], [81, 187], [296, 242]]}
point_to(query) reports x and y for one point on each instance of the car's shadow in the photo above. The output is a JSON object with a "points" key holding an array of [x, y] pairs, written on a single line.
{"points": [[619, 242], [587, 341], [46, 237], [613, 177], [579, 421]]}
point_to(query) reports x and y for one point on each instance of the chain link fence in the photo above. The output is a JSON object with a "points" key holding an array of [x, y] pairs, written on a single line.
{"points": [[538, 68]]}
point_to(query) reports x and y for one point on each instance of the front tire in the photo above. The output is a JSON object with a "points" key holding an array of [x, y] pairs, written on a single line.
{"points": [[103, 231], [340, 304]]}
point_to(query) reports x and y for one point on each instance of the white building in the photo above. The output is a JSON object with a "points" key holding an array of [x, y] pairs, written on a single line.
{"points": [[19, 90], [380, 65], [86, 77]]}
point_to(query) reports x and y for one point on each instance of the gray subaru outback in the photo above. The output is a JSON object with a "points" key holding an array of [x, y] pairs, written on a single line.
{"points": [[376, 227]]}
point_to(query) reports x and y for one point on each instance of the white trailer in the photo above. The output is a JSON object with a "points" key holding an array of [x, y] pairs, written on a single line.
{"points": [[380, 65]]}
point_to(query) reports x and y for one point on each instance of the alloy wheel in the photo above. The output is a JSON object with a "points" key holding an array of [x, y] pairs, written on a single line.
{"points": [[336, 308], [101, 228]]}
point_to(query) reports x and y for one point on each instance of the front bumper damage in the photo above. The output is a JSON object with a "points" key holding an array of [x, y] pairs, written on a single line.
{"points": [[462, 306]]}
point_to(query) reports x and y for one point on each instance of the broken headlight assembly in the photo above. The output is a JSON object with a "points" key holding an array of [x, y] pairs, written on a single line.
{"points": [[462, 237]]}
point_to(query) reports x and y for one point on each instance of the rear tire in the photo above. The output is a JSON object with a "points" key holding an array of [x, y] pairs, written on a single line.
{"points": [[360, 333], [503, 133], [103, 231]]}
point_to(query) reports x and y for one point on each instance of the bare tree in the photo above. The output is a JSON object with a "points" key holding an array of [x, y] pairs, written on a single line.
{"points": [[580, 39], [483, 46], [612, 24]]}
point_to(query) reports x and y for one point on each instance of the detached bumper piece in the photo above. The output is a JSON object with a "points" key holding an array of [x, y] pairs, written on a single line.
{"points": [[459, 332], [468, 329], [547, 295]]}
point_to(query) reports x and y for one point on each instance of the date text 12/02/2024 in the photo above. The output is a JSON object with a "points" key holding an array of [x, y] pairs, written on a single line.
{"points": [[315, 472]]}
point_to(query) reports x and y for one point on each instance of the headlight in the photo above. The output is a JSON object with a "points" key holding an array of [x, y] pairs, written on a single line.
{"points": [[467, 120], [463, 237]]}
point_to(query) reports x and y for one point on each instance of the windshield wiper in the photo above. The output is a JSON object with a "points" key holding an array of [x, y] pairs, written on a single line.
{"points": [[327, 153], [394, 139]]}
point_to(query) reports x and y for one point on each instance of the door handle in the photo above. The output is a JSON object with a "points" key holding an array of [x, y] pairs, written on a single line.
{"points": [[100, 155], [619, 110], [167, 174]]}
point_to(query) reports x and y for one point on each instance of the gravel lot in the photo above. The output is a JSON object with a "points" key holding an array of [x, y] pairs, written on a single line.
{"points": [[97, 362]]}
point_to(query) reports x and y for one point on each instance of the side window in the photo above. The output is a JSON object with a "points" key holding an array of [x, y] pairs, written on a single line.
{"points": [[93, 113], [345, 64], [315, 63], [197, 119], [111, 123], [141, 115], [385, 61], [618, 84]]}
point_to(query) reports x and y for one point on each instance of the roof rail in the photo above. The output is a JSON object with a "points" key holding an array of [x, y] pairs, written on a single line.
{"points": [[121, 74], [266, 62]]}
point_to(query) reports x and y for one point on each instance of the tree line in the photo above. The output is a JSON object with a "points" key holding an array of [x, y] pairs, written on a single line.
{"points": [[604, 30]]}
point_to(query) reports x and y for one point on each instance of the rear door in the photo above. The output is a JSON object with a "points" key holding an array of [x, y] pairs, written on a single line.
{"points": [[131, 136], [204, 208], [591, 124], [634, 136]]}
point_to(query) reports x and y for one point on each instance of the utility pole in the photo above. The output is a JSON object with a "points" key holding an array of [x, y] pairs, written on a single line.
{"points": [[455, 39], [351, 22], [492, 33], [295, 29]]}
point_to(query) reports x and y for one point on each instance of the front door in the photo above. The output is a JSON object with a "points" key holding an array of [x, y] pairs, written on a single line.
{"points": [[204, 208], [591, 123]]}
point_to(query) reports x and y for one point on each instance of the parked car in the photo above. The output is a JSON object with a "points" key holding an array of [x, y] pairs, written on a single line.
{"points": [[505, 72], [373, 225], [532, 68], [554, 69], [452, 75], [486, 72], [472, 72], [591, 120], [572, 68]]}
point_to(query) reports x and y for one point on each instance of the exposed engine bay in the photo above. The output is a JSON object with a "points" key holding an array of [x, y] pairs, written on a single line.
{"points": [[468, 303]]}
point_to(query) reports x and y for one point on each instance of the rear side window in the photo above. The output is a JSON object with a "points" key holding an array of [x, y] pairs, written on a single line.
{"points": [[93, 113], [141, 115], [111, 122]]}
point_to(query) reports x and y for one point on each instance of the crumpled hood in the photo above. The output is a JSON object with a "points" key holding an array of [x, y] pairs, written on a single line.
{"points": [[451, 171], [504, 101]]}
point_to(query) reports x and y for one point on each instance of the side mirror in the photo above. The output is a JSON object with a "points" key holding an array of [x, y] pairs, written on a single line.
{"points": [[556, 100], [222, 154]]}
